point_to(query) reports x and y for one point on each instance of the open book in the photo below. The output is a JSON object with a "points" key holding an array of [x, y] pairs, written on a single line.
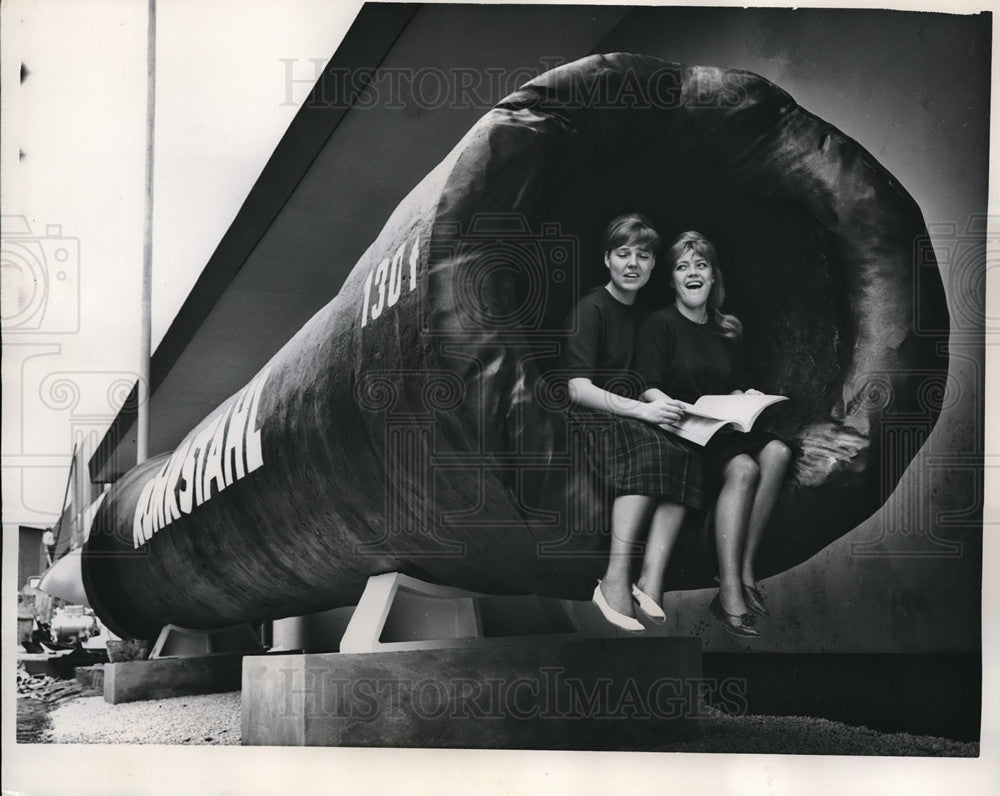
{"points": [[710, 413]]}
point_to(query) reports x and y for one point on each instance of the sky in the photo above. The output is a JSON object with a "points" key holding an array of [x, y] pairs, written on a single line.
{"points": [[72, 149]]}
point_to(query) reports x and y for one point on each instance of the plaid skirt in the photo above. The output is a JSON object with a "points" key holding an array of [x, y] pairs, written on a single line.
{"points": [[641, 459]]}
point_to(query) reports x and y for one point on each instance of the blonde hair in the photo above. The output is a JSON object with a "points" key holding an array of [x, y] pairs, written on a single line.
{"points": [[728, 326]]}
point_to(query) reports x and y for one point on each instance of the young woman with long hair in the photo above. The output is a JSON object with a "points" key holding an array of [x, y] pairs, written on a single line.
{"points": [[689, 349]]}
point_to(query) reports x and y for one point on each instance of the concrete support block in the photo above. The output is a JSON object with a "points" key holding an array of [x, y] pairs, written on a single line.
{"points": [[131, 681], [615, 694]]}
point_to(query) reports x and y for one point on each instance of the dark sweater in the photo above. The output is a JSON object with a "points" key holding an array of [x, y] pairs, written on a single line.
{"points": [[685, 359], [602, 344]]}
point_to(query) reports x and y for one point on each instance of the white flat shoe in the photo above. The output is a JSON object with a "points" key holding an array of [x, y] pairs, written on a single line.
{"points": [[616, 618], [648, 605]]}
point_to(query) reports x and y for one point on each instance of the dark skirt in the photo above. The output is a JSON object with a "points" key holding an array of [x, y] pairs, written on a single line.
{"points": [[727, 445], [641, 459]]}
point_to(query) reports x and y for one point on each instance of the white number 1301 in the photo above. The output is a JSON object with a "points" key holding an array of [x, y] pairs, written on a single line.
{"points": [[387, 277]]}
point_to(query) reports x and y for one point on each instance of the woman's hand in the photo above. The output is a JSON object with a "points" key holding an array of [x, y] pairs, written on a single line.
{"points": [[657, 408], [662, 410]]}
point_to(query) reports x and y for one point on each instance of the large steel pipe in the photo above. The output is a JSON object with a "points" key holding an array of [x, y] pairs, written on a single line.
{"points": [[417, 422]]}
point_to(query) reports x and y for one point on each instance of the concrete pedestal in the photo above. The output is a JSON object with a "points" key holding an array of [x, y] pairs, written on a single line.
{"points": [[615, 694], [131, 681]]}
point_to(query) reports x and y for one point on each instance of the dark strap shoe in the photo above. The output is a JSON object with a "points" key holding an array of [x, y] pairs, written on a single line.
{"points": [[737, 624]]}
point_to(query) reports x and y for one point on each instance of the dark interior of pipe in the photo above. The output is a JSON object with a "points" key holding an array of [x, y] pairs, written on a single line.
{"points": [[780, 266]]}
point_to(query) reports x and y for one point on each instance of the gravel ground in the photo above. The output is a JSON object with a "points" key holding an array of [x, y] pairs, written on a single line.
{"points": [[206, 720], [214, 719]]}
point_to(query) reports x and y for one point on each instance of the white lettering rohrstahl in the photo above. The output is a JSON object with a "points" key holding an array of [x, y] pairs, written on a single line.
{"points": [[208, 460]]}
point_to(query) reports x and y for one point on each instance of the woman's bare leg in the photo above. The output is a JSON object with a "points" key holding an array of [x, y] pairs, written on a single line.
{"points": [[773, 461], [664, 529], [629, 518], [732, 513]]}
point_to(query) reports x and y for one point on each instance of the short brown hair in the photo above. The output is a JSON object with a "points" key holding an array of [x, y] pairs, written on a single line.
{"points": [[631, 229]]}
